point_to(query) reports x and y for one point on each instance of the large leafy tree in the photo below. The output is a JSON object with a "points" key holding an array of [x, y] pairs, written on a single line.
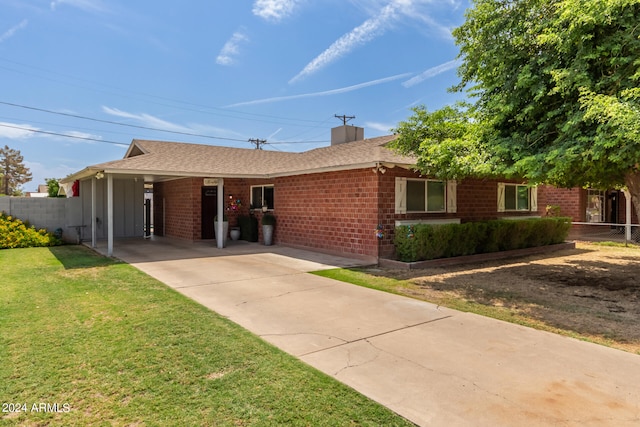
{"points": [[13, 172], [554, 86]]}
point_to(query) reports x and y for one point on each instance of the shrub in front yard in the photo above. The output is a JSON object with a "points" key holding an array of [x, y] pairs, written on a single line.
{"points": [[423, 242], [15, 233]]}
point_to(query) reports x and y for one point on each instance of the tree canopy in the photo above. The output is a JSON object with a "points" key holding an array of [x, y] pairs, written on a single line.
{"points": [[13, 172], [553, 86]]}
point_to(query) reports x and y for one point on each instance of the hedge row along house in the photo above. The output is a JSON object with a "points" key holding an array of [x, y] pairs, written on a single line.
{"points": [[345, 199]]}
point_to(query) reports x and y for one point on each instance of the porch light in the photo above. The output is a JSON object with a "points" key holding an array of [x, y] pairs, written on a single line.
{"points": [[379, 168], [100, 175]]}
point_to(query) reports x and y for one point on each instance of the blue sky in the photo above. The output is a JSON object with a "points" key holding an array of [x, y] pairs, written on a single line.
{"points": [[213, 72]]}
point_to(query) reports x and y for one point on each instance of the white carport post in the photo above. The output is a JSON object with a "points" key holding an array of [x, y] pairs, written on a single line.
{"points": [[109, 214], [94, 213], [220, 201], [627, 228]]}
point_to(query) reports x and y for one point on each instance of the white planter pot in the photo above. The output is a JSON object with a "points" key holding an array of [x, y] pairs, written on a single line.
{"points": [[234, 233], [267, 234], [225, 231]]}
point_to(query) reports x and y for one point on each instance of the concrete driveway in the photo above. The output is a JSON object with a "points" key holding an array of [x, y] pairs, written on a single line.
{"points": [[433, 366]]}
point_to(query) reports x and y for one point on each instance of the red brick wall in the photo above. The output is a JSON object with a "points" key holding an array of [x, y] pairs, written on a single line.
{"points": [[572, 201], [181, 201], [334, 211]]}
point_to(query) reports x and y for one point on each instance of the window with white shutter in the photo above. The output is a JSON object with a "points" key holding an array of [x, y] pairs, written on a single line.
{"points": [[425, 195], [516, 197]]}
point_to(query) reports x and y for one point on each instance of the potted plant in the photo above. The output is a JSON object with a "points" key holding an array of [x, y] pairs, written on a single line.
{"points": [[268, 222], [225, 228]]}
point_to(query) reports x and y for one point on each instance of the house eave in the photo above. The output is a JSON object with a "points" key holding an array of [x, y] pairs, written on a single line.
{"points": [[366, 165]]}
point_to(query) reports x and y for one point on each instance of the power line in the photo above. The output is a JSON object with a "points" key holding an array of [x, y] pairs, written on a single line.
{"points": [[86, 138], [76, 116], [128, 94], [118, 123]]}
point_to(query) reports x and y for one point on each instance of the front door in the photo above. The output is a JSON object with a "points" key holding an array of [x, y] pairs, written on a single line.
{"points": [[209, 211]]}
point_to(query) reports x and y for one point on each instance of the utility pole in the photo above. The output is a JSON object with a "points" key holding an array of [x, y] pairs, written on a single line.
{"points": [[258, 142], [344, 119]]}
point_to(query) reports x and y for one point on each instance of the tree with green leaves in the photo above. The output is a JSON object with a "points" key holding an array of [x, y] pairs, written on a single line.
{"points": [[13, 171], [53, 187], [554, 92]]}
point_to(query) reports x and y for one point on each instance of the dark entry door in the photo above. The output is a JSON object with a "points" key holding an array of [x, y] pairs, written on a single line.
{"points": [[209, 211]]}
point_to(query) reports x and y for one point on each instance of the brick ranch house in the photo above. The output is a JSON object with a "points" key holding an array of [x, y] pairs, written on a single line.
{"points": [[330, 199]]}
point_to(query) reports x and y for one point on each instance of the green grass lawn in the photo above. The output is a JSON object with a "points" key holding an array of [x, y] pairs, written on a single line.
{"points": [[111, 346]]}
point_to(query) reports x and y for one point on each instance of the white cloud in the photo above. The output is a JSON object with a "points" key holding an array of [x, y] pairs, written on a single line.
{"points": [[147, 120], [86, 5], [155, 123], [11, 31], [394, 12], [381, 127], [432, 72], [323, 93], [360, 35], [274, 10], [16, 130], [231, 48]]}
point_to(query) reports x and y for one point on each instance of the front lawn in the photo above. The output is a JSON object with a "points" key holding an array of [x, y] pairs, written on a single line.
{"points": [[85, 340]]}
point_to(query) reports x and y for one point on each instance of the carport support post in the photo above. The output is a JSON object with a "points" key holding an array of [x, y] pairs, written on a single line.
{"points": [[627, 228], [94, 213], [109, 214], [220, 202]]}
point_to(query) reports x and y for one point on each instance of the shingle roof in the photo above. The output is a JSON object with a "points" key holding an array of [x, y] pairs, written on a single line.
{"points": [[184, 159]]}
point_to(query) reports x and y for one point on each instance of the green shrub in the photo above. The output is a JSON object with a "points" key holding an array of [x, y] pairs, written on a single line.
{"points": [[423, 241], [15, 233]]}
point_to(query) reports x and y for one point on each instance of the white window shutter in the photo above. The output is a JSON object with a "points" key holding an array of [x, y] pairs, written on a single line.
{"points": [[533, 191], [501, 197], [452, 198], [401, 195]]}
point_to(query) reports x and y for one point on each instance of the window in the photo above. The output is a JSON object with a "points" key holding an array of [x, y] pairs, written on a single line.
{"points": [[425, 195], [515, 197], [262, 195]]}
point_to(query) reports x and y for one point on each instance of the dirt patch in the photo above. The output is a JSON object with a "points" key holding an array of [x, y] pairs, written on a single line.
{"points": [[592, 290]]}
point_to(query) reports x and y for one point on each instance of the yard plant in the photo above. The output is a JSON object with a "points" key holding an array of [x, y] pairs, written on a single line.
{"points": [[423, 241], [15, 233], [101, 343]]}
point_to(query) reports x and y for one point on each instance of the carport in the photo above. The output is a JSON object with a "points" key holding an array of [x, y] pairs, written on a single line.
{"points": [[112, 193], [112, 201]]}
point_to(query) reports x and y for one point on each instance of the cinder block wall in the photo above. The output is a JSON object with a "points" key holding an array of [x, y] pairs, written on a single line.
{"points": [[48, 213]]}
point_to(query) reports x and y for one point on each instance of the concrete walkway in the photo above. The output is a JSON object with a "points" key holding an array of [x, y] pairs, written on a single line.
{"points": [[433, 366]]}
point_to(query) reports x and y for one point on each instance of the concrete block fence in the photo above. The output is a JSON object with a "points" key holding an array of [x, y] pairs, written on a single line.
{"points": [[48, 213]]}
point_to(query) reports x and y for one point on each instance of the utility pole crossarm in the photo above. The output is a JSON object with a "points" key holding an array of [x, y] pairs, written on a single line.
{"points": [[258, 142], [344, 118]]}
